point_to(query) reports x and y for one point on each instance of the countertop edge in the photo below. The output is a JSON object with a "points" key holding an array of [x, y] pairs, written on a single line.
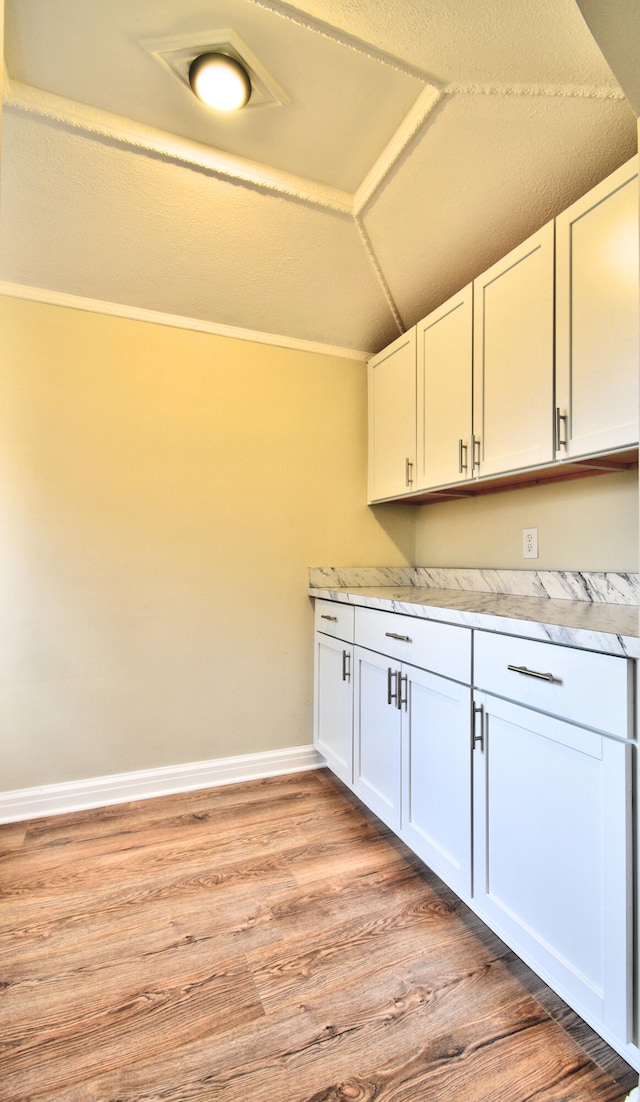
{"points": [[523, 620]]}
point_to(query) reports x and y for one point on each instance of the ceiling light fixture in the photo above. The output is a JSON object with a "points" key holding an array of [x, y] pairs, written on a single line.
{"points": [[220, 81]]}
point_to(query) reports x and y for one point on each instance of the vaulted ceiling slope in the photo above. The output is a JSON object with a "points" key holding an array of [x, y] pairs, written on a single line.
{"points": [[392, 151]]}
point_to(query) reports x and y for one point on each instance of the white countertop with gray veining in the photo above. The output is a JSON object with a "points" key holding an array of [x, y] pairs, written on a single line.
{"points": [[591, 621]]}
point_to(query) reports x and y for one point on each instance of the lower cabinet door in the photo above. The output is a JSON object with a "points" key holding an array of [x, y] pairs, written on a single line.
{"points": [[552, 854], [436, 799], [333, 705], [377, 725]]}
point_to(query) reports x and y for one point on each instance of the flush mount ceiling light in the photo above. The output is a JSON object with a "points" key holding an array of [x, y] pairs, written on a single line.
{"points": [[220, 81]]}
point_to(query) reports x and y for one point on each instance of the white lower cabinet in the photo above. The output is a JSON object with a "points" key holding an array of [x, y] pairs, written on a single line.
{"points": [[333, 691], [377, 743], [514, 786], [412, 760], [436, 781], [551, 854]]}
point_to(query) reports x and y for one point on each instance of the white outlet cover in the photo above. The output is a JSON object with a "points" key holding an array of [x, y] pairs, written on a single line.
{"points": [[530, 543]]}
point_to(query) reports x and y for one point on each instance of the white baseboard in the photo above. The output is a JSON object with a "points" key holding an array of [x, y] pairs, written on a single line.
{"points": [[55, 799]]}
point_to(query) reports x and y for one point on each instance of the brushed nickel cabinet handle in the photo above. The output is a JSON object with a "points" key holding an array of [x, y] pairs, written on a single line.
{"points": [[346, 666], [325, 616], [560, 417], [476, 443], [534, 673], [400, 638], [403, 700], [462, 464], [477, 739], [392, 694], [408, 472]]}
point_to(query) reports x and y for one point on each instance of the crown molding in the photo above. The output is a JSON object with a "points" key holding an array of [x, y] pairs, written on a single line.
{"points": [[379, 274], [327, 30], [545, 91], [117, 130], [414, 121], [176, 321]]}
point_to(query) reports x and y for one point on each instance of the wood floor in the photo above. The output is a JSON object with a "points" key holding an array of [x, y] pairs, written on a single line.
{"points": [[264, 942]]}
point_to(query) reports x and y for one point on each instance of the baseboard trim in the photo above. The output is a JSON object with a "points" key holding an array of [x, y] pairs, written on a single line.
{"points": [[57, 799]]}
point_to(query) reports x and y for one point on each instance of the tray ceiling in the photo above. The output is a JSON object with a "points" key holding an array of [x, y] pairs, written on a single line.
{"points": [[392, 152]]}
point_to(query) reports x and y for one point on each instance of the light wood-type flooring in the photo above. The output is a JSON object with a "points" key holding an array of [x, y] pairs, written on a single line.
{"points": [[264, 942]]}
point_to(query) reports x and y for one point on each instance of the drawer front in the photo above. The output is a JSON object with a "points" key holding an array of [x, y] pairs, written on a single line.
{"points": [[333, 618], [441, 648], [588, 688]]}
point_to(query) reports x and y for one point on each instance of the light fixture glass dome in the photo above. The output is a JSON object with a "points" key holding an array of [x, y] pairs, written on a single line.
{"points": [[220, 81]]}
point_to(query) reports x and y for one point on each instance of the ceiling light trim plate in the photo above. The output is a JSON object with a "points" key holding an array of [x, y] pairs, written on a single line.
{"points": [[176, 52]]}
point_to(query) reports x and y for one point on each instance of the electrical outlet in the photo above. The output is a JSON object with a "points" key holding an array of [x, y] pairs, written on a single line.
{"points": [[530, 543]]}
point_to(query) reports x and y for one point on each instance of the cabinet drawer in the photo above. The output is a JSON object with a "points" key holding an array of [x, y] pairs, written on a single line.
{"points": [[442, 648], [588, 688], [335, 619]]}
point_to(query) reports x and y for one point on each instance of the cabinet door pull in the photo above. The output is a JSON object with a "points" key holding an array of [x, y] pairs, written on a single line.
{"points": [[400, 638], [477, 739], [392, 694], [462, 465], [408, 471], [402, 700], [560, 417], [534, 673], [325, 616], [346, 666], [476, 444]]}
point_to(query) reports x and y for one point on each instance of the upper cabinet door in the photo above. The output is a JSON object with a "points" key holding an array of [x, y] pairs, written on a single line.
{"points": [[513, 359], [392, 419], [598, 302], [444, 388]]}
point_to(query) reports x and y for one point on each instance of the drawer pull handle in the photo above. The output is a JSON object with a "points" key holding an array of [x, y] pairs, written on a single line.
{"points": [[534, 673], [325, 616], [400, 638]]}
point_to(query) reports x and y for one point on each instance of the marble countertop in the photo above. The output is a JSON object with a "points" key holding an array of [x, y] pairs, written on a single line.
{"points": [[592, 624]]}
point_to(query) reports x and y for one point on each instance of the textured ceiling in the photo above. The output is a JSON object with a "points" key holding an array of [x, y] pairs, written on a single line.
{"points": [[393, 152]]}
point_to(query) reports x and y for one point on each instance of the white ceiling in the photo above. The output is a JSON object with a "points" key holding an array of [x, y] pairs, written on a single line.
{"points": [[392, 152]]}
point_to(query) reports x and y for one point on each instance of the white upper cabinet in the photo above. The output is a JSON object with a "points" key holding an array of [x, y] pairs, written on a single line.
{"points": [[597, 303], [513, 359], [444, 389], [392, 419], [534, 364]]}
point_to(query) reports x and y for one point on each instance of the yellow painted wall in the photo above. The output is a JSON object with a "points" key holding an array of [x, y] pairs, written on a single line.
{"points": [[163, 493], [588, 524]]}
